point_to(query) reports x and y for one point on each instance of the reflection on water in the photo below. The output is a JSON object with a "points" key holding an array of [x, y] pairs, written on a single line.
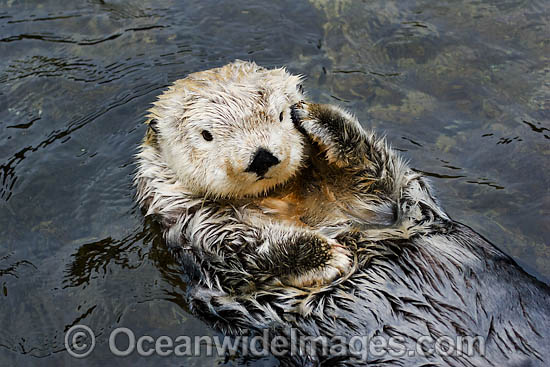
{"points": [[461, 89]]}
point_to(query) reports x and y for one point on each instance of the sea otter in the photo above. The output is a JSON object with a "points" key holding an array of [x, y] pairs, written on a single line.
{"points": [[289, 217]]}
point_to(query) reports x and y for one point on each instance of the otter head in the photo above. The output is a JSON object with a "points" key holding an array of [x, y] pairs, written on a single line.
{"points": [[228, 132]]}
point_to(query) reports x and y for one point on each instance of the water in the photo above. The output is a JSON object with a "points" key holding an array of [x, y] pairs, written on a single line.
{"points": [[462, 89]]}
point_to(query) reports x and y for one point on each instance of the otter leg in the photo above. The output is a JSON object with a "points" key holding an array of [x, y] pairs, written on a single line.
{"points": [[257, 256], [366, 168], [378, 186]]}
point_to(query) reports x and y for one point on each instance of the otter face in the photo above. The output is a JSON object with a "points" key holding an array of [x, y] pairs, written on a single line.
{"points": [[228, 132]]}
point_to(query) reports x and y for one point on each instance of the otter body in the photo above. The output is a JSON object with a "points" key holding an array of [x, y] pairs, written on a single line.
{"points": [[289, 217]]}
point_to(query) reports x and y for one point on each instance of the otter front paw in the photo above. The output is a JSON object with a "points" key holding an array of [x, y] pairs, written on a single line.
{"points": [[301, 258], [335, 131], [326, 261]]}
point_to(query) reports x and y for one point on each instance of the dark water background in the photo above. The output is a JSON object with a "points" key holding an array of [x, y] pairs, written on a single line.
{"points": [[462, 88]]}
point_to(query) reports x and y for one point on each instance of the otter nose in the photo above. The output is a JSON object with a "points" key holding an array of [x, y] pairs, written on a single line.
{"points": [[263, 160]]}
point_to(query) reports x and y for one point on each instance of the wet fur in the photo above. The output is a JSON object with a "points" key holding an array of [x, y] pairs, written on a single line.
{"points": [[352, 244]]}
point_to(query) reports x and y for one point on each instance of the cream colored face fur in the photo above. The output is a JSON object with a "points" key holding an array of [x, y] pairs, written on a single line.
{"points": [[211, 124]]}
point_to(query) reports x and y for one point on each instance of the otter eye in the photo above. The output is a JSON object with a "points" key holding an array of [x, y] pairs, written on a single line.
{"points": [[281, 117], [206, 135]]}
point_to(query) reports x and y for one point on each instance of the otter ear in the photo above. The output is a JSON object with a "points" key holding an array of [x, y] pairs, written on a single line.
{"points": [[153, 125], [262, 93], [298, 80]]}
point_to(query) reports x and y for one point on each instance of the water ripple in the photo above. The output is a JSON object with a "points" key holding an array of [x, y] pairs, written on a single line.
{"points": [[74, 40], [8, 174]]}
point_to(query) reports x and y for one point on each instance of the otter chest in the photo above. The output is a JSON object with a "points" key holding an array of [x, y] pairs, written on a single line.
{"points": [[311, 204]]}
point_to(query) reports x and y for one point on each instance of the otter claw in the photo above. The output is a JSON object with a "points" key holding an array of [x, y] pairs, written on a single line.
{"points": [[340, 257], [297, 113]]}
